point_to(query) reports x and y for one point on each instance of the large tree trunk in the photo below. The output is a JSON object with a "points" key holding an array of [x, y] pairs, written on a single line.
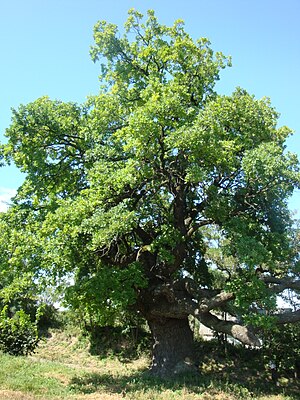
{"points": [[173, 347]]}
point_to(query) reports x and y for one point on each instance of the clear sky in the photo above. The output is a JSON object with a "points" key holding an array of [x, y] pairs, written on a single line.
{"points": [[44, 47]]}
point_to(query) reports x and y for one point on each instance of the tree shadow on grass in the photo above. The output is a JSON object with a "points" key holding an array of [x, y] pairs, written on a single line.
{"points": [[205, 382]]}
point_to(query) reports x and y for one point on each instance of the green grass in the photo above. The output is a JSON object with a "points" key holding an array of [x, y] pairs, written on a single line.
{"points": [[63, 369], [41, 379]]}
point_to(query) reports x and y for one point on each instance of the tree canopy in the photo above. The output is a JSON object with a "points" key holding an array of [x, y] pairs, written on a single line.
{"points": [[157, 195]]}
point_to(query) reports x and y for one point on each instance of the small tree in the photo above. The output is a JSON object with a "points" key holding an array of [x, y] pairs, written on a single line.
{"points": [[128, 192], [18, 334]]}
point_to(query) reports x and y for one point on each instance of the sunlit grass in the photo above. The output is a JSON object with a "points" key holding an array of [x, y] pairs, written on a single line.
{"points": [[37, 378]]}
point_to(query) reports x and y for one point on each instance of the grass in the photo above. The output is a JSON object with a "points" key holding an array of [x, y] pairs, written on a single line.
{"points": [[63, 369]]}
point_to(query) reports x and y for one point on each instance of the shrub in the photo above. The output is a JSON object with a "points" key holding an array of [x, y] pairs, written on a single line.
{"points": [[18, 334], [281, 346]]}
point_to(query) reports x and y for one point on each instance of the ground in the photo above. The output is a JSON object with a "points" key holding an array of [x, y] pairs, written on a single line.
{"points": [[62, 368]]}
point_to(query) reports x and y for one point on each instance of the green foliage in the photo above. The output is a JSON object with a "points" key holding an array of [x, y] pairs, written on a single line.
{"points": [[253, 301], [281, 345], [18, 334], [100, 299]]}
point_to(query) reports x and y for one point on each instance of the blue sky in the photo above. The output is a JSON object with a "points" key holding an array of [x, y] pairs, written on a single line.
{"points": [[45, 44]]}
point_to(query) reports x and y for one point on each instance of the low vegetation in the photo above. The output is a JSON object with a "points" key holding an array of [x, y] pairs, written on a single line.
{"points": [[63, 368]]}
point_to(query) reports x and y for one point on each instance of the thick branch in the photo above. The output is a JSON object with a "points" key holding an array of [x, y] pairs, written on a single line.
{"points": [[198, 225], [217, 301], [288, 317], [278, 285], [143, 235], [196, 210], [239, 332]]}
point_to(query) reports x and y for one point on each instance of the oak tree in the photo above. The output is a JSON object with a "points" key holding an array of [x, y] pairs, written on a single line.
{"points": [[157, 195]]}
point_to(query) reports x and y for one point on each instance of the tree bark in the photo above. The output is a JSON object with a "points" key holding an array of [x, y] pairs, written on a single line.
{"points": [[173, 347]]}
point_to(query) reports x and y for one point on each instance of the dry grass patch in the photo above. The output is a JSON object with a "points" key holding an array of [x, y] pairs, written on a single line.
{"points": [[99, 396], [14, 395]]}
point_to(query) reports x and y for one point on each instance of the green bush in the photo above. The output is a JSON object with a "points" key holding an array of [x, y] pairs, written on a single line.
{"points": [[18, 334], [281, 345]]}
